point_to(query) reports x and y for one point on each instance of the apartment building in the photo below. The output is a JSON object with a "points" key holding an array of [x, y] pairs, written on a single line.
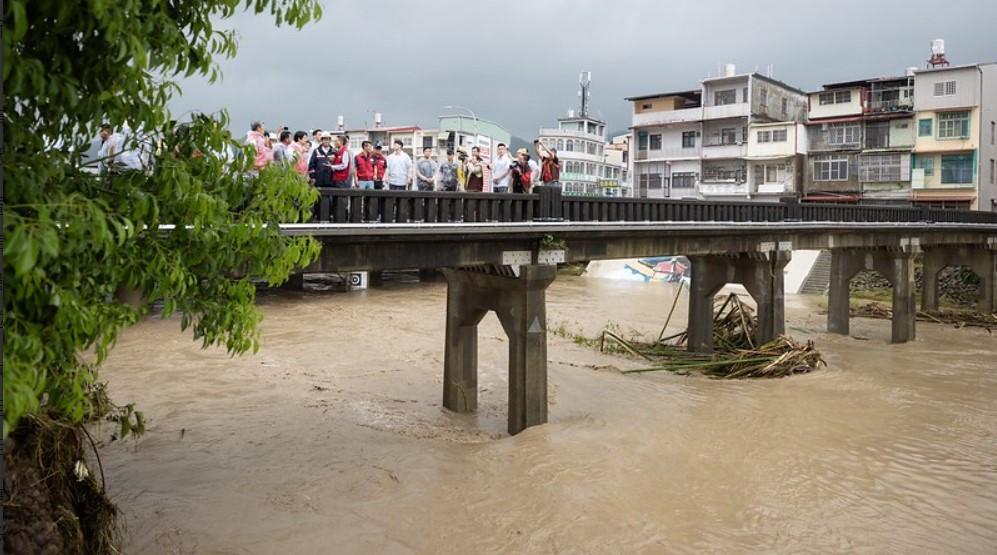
{"points": [[695, 143], [860, 136], [956, 140], [775, 158], [589, 164]]}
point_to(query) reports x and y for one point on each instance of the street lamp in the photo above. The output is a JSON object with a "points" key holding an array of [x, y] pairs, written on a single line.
{"points": [[474, 117]]}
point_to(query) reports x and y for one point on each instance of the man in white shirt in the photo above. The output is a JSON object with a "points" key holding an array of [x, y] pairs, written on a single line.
{"points": [[399, 172], [501, 171]]}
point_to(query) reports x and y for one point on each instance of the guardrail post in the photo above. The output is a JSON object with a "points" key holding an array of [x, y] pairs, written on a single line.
{"points": [[549, 204], [793, 212]]}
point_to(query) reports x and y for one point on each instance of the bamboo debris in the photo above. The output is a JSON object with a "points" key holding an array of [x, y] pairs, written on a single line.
{"points": [[736, 353], [957, 318]]}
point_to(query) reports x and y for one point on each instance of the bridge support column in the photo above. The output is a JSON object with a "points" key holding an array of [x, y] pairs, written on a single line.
{"points": [[895, 264], [520, 303], [981, 259], [761, 273]]}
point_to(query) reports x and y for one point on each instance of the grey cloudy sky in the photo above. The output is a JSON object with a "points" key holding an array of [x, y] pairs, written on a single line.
{"points": [[517, 62]]}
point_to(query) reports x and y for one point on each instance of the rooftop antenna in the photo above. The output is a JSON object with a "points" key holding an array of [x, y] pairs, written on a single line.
{"points": [[937, 58], [585, 81]]}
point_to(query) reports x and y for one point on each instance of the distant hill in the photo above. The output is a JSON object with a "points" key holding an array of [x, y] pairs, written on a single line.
{"points": [[519, 142]]}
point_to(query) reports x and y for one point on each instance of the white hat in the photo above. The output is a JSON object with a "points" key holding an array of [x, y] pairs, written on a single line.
{"points": [[325, 135]]}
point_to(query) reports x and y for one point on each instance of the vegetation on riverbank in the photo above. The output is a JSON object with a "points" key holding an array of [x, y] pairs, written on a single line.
{"points": [[84, 253]]}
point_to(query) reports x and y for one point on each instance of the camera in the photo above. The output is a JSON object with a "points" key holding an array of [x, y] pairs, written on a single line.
{"points": [[462, 156], [514, 165]]}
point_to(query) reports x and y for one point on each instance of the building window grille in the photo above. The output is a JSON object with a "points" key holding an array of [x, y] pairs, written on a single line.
{"points": [[957, 169], [779, 135], [722, 98], [926, 164], [953, 125], [764, 136], [843, 134], [945, 88], [683, 180], [835, 97], [831, 168], [876, 168]]}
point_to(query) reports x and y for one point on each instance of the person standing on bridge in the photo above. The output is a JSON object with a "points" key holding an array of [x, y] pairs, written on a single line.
{"points": [[425, 171], [380, 166], [550, 172], [399, 168], [261, 148], [281, 150], [448, 173], [502, 173], [364, 162], [320, 164], [341, 164], [299, 153], [474, 168]]}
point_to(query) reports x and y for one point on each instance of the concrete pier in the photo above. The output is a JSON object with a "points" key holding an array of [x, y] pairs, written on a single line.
{"points": [[895, 264], [519, 301], [981, 259], [761, 273]]}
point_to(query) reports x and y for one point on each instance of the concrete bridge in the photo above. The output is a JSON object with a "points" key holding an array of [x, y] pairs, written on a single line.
{"points": [[499, 253]]}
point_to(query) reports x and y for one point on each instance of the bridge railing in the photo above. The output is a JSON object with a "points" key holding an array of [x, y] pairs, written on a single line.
{"points": [[548, 204]]}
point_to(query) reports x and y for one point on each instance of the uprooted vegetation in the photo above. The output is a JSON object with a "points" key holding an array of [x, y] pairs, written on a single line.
{"points": [[737, 354]]}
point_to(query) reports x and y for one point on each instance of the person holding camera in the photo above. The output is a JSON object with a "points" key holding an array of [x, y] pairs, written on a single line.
{"points": [[550, 170], [522, 173]]}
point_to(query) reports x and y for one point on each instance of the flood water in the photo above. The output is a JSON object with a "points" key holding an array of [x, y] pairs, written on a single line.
{"points": [[332, 439]]}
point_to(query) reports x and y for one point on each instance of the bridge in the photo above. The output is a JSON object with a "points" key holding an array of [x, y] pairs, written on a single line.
{"points": [[499, 253]]}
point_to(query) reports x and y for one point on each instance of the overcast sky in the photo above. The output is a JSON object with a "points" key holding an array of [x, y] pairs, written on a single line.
{"points": [[517, 62]]}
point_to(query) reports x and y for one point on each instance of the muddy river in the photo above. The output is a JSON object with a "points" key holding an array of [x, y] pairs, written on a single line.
{"points": [[332, 439]]}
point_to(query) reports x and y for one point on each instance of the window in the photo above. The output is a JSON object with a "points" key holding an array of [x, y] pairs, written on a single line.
{"points": [[877, 134], [683, 180], [924, 127], [945, 88], [953, 125], [992, 171], [744, 94], [688, 139], [590, 146], [655, 142], [646, 106], [560, 145], [721, 98], [881, 167], [785, 106], [957, 169], [835, 97], [831, 168], [569, 145], [774, 173], [427, 142], [764, 136], [926, 164], [728, 135], [843, 134], [763, 96], [779, 135]]}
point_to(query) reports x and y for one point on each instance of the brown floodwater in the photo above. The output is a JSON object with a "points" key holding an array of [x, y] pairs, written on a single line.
{"points": [[332, 439]]}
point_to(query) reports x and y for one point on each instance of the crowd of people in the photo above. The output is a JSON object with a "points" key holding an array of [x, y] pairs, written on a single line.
{"points": [[326, 161]]}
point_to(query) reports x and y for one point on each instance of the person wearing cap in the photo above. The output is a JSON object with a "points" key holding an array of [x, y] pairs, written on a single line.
{"points": [[364, 163], [521, 172], [320, 165], [399, 168], [380, 164], [448, 173]]}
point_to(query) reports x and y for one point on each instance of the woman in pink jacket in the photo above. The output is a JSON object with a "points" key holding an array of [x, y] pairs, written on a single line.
{"points": [[299, 148], [264, 152]]}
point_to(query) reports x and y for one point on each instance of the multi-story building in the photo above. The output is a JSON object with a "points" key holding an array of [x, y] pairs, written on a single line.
{"points": [[776, 158], [589, 165], [860, 136], [695, 143], [956, 139]]}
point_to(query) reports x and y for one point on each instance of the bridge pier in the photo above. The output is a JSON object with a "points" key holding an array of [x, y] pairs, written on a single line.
{"points": [[981, 259], [519, 301], [896, 265], [761, 273]]}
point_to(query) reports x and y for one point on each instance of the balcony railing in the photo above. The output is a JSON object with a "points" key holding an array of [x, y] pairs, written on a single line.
{"points": [[684, 115]]}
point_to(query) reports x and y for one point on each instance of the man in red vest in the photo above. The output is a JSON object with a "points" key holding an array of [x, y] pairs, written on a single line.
{"points": [[341, 164]]}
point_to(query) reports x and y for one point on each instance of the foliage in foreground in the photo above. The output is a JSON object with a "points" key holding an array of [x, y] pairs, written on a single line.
{"points": [[74, 239]]}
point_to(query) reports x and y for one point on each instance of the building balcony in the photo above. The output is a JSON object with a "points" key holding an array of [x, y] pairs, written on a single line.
{"points": [[670, 153], [573, 133], [720, 150], [648, 119], [738, 110], [723, 189], [775, 188]]}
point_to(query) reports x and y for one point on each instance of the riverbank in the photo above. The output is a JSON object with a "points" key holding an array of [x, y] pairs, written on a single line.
{"points": [[332, 439]]}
